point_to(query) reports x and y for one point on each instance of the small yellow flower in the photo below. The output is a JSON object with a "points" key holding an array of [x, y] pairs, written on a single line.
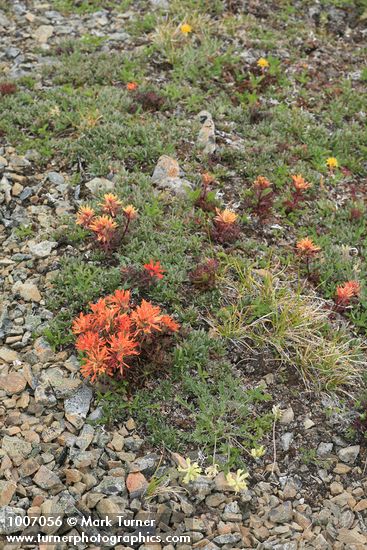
{"points": [[263, 63], [276, 412], [191, 471], [258, 452], [237, 480], [212, 471], [186, 28], [332, 163]]}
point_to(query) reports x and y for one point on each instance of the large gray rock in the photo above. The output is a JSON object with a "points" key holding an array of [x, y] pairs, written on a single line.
{"points": [[48, 480], [77, 406], [282, 513], [111, 486], [61, 386], [28, 291], [97, 185], [4, 21], [42, 249], [43, 33], [166, 175], [349, 454], [16, 447], [7, 513]]}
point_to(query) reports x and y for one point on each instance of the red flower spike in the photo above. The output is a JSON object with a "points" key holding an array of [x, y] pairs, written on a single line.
{"points": [[120, 299], [154, 269], [169, 323], [82, 323], [147, 318]]}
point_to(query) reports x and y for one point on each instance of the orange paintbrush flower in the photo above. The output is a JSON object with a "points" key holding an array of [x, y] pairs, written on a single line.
{"points": [[111, 204], [96, 364], [88, 341], [82, 323], [169, 323], [105, 229], [131, 86], [262, 183], [154, 269], [120, 299], [85, 216], [122, 347], [354, 287], [346, 292], [147, 317], [99, 307], [123, 323], [207, 178], [130, 212], [300, 184], [226, 217], [114, 334], [306, 247], [103, 315]]}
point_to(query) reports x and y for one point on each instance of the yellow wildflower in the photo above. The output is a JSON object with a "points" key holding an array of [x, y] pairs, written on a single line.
{"points": [[276, 412], [191, 471], [237, 480], [332, 163], [212, 471], [263, 63], [186, 28], [258, 452]]}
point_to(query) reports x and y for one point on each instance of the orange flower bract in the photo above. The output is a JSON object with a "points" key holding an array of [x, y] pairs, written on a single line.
{"points": [[82, 323], [154, 269], [111, 204], [147, 317], [114, 334], [300, 183], [346, 292], [105, 229], [306, 247], [131, 86], [88, 341], [169, 323], [226, 217], [130, 212], [262, 183], [120, 299], [96, 364], [85, 216], [207, 178], [122, 347]]}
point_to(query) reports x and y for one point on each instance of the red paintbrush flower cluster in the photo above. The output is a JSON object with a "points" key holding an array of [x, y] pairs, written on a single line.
{"points": [[143, 277], [111, 226], [154, 270], [345, 293], [116, 332]]}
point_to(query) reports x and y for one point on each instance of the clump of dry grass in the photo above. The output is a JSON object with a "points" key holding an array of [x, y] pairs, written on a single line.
{"points": [[263, 310]]}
